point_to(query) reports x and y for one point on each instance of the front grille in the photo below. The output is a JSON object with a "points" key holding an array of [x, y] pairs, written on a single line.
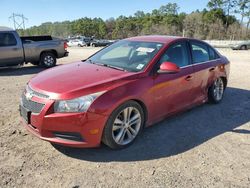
{"points": [[32, 106]]}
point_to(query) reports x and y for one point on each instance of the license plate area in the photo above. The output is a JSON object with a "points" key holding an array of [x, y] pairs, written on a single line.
{"points": [[25, 113]]}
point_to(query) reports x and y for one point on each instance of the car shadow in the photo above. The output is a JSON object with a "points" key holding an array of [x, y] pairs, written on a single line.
{"points": [[177, 134], [19, 71]]}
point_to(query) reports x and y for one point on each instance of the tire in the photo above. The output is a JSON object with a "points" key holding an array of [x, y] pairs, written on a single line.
{"points": [[216, 91], [48, 60], [120, 135], [93, 45], [244, 47]]}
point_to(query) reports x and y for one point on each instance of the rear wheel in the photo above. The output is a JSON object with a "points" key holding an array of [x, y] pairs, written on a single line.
{"points": [[244, 47], [216, 91], [124, 125], [48, 60]]}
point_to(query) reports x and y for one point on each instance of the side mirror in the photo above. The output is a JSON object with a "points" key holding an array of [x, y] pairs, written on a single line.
{"points": [[168, 67]]}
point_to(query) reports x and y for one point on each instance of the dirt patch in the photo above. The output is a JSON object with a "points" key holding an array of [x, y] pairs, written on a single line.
{"points": [[208, 146]]}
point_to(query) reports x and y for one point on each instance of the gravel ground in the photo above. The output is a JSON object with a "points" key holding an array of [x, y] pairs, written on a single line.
{"points": [[208, 146]]}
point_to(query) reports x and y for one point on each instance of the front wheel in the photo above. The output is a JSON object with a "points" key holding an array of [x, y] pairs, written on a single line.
{"points": [[48, 60], [124, 125], [216, 91]]}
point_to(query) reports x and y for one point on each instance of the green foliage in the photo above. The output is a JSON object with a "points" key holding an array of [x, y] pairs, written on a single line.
{"points": [[216, 23]]}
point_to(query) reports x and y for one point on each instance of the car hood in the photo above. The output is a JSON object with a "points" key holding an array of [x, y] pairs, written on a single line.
{"points": [[77, 79]]}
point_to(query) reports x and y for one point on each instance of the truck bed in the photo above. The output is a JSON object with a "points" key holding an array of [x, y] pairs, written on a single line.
{"points": [[36, 38]]}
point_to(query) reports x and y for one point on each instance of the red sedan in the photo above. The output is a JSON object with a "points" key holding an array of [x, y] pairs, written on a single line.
{"points": [[115, 93]]}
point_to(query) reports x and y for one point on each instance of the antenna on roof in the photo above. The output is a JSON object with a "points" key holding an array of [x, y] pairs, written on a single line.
{"points": [[18, 21]]}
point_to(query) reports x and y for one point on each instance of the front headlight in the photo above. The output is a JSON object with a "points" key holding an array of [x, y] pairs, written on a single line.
{"points": [[80, 104]]}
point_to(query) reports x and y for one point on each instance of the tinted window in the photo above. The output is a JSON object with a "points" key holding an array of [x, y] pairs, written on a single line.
{"points": [[212, 54], [199, 52], [7, 39], [177, 54]]}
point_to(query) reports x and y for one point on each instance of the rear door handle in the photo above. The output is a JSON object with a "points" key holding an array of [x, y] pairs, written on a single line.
{"points": [[211, 69], [189, 77]]}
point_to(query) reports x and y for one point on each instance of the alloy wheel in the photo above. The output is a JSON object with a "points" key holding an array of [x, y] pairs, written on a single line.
{"points": [[126, 125], [218, 89], [48, 60]]}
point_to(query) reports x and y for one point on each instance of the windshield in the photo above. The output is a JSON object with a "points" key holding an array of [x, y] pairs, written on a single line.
{"points": [[132, 56]]}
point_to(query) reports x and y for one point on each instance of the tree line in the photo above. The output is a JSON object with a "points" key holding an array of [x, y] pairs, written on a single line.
{"points": [[217, 21]]}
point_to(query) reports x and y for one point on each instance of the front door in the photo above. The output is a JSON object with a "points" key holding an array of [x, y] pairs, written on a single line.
{"points": [[11, 53], [174, 92]]}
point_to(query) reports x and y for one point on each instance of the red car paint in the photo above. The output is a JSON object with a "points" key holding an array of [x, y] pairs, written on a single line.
{"points": [[161, 95]]}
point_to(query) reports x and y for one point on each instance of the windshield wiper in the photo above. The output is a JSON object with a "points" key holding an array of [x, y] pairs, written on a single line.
{"points": [[114, 67], [107, 65]]}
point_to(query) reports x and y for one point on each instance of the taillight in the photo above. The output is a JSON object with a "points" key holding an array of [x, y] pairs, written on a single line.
{"points": [[65, 45]]}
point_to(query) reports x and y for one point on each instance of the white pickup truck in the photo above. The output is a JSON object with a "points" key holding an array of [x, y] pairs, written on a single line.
{"points": [[38, 50]]}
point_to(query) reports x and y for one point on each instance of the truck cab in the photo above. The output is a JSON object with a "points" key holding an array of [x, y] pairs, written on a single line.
{"points": [[11, 50]]}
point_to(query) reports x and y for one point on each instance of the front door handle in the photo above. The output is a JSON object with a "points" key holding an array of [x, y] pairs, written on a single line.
{"points": [[189, 77], [212, 69]]}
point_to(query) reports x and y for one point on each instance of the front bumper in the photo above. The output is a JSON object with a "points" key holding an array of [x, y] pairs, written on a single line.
{"points": [[69, 129]]}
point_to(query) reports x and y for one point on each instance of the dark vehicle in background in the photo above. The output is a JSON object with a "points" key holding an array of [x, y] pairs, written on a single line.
{"points": [[242, 46], [88, 40], [38, 50], [102, 42]]}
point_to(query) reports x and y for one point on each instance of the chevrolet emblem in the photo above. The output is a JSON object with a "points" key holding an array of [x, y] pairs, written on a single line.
{"points": [[29, 96]]}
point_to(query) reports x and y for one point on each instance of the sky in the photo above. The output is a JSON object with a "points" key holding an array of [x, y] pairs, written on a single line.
{"points": [[40, 11]]}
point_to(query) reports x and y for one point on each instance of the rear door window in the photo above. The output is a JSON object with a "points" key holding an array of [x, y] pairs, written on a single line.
{"points": [[212, 54], [200, 52], [7, 39]]}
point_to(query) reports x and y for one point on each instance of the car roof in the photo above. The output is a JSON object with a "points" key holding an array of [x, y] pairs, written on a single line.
{"points": [[2, 28], [155, 38]]}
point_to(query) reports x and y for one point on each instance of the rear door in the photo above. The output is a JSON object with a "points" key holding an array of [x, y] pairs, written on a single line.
{"points": [[204, 60], [174, 92], [11, 51]]}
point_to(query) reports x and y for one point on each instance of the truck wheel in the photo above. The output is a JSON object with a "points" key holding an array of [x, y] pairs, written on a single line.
{"points": [[48, 60]]}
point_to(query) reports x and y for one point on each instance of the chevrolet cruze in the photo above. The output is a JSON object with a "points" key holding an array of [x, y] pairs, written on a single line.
{"points": [[114, 94]]}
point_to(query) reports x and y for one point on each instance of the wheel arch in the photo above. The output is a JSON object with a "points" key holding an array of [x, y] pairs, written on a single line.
{"points": [[224, 79], [144, 108], [51, 51]]}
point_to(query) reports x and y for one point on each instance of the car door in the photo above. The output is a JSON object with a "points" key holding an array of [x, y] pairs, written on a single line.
{"points": [[173, 92], [11, 52], [204, 60]]}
